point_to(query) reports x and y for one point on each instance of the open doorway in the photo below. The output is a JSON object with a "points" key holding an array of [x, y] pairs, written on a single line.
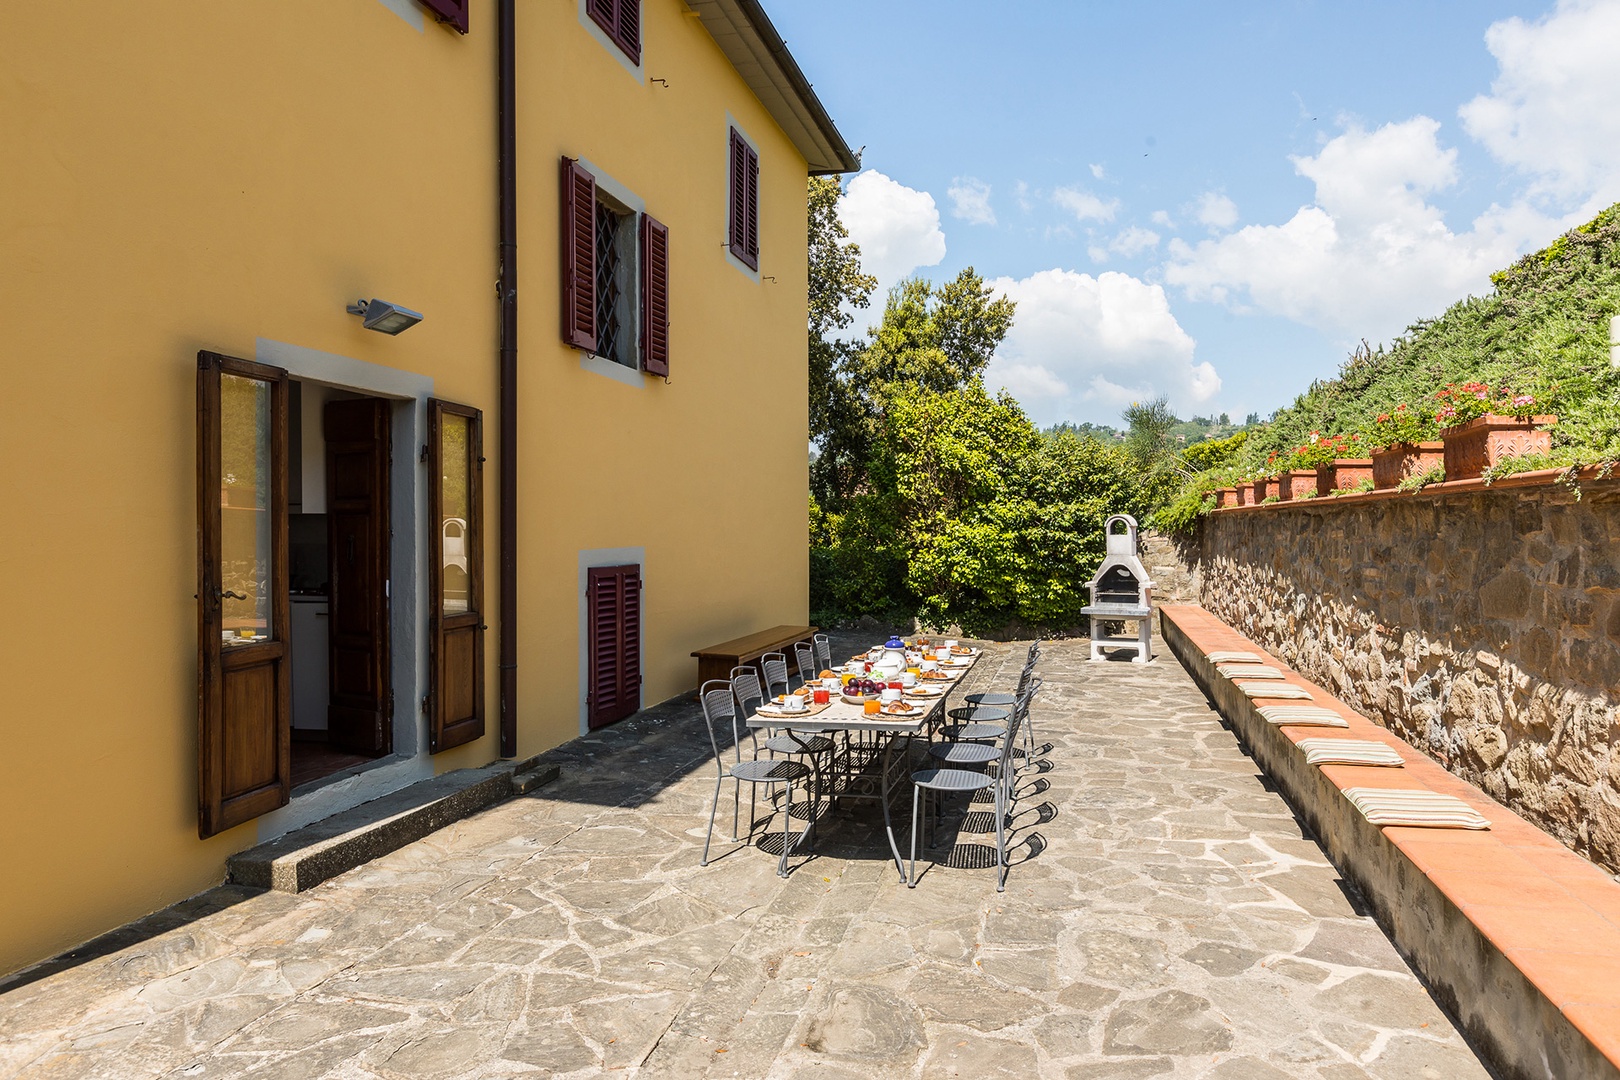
{"points": [[339, 539]]}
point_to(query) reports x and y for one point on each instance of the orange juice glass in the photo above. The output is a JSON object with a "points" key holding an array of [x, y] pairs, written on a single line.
{"points": [[873, 708]]}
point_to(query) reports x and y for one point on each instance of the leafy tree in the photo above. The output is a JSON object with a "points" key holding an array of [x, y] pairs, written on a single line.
{"points": [[838, 419]]}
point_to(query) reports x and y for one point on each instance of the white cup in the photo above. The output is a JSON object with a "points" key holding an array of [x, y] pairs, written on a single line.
{"points": [[908, 679], [833, 683], [854, 667], [930, 665], [793, 703], [889, 695], [944, 652], [952, 643]]}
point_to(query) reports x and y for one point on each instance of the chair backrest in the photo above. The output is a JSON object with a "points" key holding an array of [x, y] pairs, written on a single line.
{"points": [[773, 665], [718, 709], [823, 647], [1009, 741], [746, 688], [805, 657]]}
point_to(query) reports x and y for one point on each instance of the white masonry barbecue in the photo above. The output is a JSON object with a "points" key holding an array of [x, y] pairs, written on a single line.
{"points": [[1121, 591]]}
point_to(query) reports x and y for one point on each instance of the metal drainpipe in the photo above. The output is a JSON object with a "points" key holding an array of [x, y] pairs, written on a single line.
{"points": [[507, 254]]}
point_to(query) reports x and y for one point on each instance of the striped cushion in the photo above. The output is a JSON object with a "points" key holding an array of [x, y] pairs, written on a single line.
{"points": [[1237, 657], [1303, 716], [1274, 690], [1399, 806], [1249, 671], [1349, 752]]}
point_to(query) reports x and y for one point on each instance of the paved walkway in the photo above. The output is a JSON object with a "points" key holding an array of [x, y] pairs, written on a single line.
{"points": [[1168, 919]]}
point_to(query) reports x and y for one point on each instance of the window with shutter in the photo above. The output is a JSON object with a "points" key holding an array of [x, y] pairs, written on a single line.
{"points": [[744, 201], [654, 296], [578, 255], [613, 605], [620, 20], [453, 12]]}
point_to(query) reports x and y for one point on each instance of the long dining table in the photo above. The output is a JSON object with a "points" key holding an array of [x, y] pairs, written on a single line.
{"points": [[869, 743]]}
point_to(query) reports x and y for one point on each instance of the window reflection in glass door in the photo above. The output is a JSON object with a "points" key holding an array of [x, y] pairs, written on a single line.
{"points": [[245, 519], [455, 500]]}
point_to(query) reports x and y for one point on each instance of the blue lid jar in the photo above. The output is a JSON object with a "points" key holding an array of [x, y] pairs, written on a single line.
{"points": [[894, 643]]}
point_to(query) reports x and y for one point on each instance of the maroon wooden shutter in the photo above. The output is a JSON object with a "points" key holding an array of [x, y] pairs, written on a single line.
{"points": [[744, 201], [654, 296], [578, 255], [453, 12], [613, 605], [629, 36], [751, 206], [621, 21]]}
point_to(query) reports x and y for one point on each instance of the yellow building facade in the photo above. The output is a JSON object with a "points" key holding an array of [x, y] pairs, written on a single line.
{"points": [[190, 185]]}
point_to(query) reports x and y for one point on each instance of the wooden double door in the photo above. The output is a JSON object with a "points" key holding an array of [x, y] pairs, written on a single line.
{"points": [[243, 606]]}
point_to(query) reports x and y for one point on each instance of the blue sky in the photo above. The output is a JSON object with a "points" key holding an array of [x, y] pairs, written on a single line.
{"points": [[1212, 201]]}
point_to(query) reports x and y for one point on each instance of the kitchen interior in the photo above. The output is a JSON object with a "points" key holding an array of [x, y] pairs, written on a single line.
{"points": [[309, 580]]}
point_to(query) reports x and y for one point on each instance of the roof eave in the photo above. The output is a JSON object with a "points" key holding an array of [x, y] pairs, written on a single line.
{"points": [[745, 34]]}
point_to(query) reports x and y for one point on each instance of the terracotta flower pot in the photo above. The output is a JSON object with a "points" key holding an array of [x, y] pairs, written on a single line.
{"points": [[1294, 483], [1243, 495], [1262, 488], [1342, 473], [1223, 497], [1473, 447], [1395, 463]]}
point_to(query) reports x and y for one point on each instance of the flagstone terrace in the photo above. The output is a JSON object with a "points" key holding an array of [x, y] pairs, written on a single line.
{"points": [[1166, 915]]}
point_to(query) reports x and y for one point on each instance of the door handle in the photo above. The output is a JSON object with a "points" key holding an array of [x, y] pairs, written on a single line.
{"points": [[226, 594]]}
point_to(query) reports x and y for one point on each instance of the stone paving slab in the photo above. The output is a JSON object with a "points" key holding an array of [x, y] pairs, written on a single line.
{"points": [[1167, 917]]}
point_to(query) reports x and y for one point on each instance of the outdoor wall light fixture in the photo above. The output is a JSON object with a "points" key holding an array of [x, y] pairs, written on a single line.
{"points": [[385, 318]]}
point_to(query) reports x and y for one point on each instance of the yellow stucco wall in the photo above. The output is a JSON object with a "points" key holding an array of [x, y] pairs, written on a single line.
{"points": [[181, 176]]}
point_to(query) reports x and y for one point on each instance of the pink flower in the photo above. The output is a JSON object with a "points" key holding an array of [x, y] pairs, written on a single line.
{"points": [[1522, 400]]}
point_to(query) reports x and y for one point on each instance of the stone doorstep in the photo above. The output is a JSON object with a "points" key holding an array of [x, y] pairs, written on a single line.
{"points": [[1518, 934], [306, 857]]}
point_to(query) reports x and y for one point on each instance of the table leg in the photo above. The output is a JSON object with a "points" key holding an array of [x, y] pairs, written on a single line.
{"points": [[888, 822]]}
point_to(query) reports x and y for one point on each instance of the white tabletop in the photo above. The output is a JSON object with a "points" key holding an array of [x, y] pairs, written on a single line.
{"points": [[842, 716]]}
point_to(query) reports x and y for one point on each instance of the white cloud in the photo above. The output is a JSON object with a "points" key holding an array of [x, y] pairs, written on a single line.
{"points": [[970, 201], [1162, 218], [1097, 172], [1021, 193], [1083, 347], [896, 226], [1133, 241], [1216, 211], [1129, 242], [1084, 205], [1553, 112], [1372, 254]]}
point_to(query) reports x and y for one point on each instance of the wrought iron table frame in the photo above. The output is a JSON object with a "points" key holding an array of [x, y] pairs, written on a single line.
{"points": [[847, 775]]}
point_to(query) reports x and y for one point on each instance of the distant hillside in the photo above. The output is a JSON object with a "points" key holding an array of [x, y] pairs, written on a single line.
{"points": [[1183, 432], [1544, 329]]}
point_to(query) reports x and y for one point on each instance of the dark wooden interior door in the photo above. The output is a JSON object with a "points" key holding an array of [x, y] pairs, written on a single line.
{"points": [[244, 689], [360, 710]]}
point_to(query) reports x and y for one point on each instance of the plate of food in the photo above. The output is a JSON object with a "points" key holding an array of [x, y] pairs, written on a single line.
{"points": [[921, 691], [899, 708], [963, 650], [935, 676]]}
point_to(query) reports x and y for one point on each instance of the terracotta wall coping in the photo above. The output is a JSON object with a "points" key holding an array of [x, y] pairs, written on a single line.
{"points": [[1541, 478], [1523, 897]]}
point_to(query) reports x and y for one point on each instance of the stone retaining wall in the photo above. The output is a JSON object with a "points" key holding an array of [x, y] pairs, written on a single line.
{"points": [[1481, 625]]}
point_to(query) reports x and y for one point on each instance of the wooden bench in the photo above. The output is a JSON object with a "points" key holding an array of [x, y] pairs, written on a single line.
{"points": [[716, 661]]}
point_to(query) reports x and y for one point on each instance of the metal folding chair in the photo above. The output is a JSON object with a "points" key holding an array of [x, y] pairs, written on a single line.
{"points": [[953, 778], [719, 708]]}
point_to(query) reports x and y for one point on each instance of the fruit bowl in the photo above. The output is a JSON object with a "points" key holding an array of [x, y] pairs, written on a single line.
{"points": [[858, 699]]}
